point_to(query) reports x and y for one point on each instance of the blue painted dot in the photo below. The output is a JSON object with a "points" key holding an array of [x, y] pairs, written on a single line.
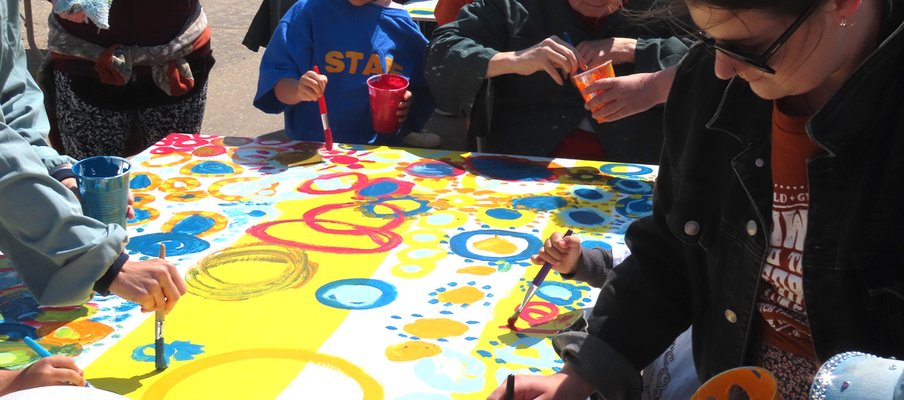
{"points": [[378, 189], [503, 213], [194, 224], [139, 181], [356, 294], [212, 168], [540, 203], [589, 194]]}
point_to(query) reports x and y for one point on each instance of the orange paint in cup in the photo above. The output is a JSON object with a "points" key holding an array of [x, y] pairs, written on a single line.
{"points": [[589, 76]]}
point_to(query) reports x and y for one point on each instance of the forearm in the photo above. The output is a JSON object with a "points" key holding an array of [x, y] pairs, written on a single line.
{"points": [[286, 91], [624, 50], [58, 252], [503, 63], [6, 379], [661, 82]]}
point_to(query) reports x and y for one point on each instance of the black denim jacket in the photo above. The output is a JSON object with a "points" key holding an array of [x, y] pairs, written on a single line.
{"points": [[698, 259]]}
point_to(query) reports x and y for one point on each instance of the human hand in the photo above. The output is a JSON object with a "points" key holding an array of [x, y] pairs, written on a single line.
{"points": [[308, 87], [560, 251], [552, 55], [311, 86], [154, 284], [72, 184], [623, 96], [404, 107], [596, 52], [77, 17], [48, 371], [565, 385]]}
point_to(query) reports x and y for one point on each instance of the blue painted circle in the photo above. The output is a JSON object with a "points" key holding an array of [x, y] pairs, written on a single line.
{"points": [[432, 169], [634, 169], [15, 330], [212, 168], [510, 169], [379, 189], [177, 244], [586, 217], [635, 208], [540, 203], [139, 181], [630, 186], [371, 208], [194, 224], [559, 293], [459, 245], [589, 194], [589, 244], [504, 213], [356, 294], [140, 215]]}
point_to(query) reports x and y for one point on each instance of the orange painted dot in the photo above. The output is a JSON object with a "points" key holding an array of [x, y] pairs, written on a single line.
{"points": [[411, 350], [435, 328], [477, 270], [462, 295]]}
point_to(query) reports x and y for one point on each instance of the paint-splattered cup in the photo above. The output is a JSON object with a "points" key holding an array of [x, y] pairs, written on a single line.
{"points": [[103, 184], [589, 76], [386, 94]]}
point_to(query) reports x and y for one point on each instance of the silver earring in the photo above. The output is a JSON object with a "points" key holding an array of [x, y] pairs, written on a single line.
{"points": [[843, 23]]}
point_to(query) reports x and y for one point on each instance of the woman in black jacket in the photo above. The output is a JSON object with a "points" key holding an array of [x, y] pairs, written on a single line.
{"points": [[777, 212]]}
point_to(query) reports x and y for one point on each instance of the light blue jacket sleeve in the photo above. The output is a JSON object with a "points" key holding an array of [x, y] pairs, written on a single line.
{"points": [[22, 99], [57, 251]]}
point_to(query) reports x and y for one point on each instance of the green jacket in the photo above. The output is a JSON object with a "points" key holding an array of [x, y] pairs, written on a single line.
{"points": [[58, 252], [531, 114]]}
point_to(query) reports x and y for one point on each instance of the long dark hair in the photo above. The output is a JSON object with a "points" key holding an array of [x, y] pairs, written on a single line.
{"points": [[781, 7]]}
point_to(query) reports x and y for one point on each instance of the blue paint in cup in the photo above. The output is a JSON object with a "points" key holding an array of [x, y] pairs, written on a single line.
{"points": [[103, 183]]}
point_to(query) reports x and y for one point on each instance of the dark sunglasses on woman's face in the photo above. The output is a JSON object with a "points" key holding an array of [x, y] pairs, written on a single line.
{"points": [[758, 61]]}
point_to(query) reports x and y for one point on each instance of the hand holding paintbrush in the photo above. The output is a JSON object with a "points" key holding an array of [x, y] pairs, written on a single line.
{"points": [[560, 252]]}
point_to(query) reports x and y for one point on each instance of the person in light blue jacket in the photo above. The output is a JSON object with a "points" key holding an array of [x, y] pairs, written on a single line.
{"points": [[62, 256]]}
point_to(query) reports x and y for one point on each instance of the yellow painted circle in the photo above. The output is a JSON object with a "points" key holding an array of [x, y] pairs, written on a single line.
{"points": [[369, 386]]}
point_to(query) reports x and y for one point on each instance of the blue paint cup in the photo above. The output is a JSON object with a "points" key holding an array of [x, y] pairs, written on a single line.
{"points": [[103, 183]]}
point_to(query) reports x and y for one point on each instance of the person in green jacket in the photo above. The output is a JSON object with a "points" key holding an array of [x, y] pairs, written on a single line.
{"points": [[529, 49], [62, 256]]}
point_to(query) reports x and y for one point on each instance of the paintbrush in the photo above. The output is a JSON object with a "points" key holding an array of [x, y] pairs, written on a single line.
{"points": [[327, 132], [533, 286], [159, 345], [510, 387]]}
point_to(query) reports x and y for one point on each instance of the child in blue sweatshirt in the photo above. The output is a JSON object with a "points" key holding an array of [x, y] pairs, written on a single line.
{"points": [[349, 41]]}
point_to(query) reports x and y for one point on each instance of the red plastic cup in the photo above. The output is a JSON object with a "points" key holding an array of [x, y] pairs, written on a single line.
{"points": [[386, 92]]}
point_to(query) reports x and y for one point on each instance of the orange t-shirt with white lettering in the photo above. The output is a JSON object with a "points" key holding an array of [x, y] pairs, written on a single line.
{"points": [[781, 305]]}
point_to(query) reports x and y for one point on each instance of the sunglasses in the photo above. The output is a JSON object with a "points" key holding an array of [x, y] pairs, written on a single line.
{"points": [[757, 61]]}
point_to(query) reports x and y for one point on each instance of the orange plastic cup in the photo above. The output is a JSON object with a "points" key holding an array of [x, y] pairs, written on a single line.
{"points": [[589, 76], [757, 383]]}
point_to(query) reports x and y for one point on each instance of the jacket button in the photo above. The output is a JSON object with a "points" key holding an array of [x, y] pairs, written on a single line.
{"points": [[691, 228], [759, 162], [751, 227], [730, 316]]}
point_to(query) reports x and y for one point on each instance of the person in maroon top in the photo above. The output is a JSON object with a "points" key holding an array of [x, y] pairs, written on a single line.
{"points": [[117, 91]]}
